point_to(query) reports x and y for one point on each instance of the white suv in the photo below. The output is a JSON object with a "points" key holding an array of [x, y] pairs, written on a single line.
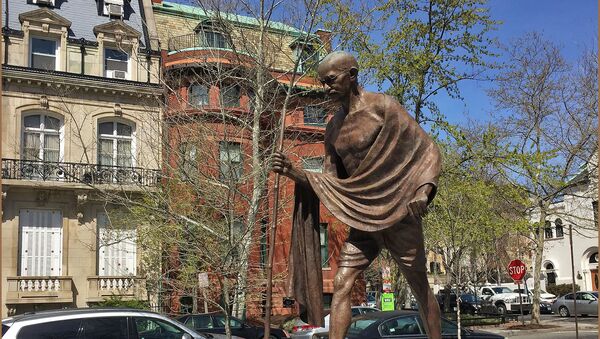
{"points": [[113, 323]]}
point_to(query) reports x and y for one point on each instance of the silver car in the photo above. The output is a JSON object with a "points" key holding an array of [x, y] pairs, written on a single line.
{"points": [[587, 303], [96, 323]]}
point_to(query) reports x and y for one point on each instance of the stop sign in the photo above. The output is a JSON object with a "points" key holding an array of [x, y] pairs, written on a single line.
{"points": [[517, 269]]}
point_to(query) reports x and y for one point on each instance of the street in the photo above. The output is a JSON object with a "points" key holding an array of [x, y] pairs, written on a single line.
{"points": [[586, 334], [565, 328]]}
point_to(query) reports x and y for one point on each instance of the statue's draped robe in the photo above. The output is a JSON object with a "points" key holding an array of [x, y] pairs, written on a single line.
{"points": [[371, 195]]}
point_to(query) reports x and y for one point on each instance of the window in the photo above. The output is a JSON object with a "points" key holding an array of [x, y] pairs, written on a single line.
{"points": [[327, 299], [105, 328], [219, 322], [230, 96], [41, 242], [434, 267], [115, 141], [211, 38], [313, 164], [548, 230], [188, 162], [116, 247], [200, 322], [595, 208], [569, 296], [67, 329], [198, 95], [400, 326], [324, 242], [41, 138], [559, 228], [230, 157], [309, 57], [314, 115], [263, 243], [156, 328], [115, 63], [43, 54]]}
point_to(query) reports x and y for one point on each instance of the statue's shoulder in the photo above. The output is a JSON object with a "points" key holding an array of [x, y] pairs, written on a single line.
{"points": [[381, 103]]}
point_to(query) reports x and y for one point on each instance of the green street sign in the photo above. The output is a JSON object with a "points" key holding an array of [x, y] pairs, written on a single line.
{"points": [[387, 301]]}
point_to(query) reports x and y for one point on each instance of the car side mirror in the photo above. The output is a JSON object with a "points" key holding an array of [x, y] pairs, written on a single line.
{"points": [[186, 336]]}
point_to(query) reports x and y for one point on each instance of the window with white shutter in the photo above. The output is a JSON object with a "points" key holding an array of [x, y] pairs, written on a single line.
{"points": [[116, 249], [41, 242]]}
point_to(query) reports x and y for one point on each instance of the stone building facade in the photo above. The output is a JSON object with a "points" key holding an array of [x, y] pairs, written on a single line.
{"points": [[81, 83]]}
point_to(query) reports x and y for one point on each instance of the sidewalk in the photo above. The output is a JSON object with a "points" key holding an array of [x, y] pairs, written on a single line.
{"points": [[554, 325]]}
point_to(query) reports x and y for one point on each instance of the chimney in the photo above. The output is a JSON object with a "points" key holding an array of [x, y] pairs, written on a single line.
{"points": [[325, 37]]}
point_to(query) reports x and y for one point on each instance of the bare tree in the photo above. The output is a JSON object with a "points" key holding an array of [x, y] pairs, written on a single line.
{"points": [[550, 128]]}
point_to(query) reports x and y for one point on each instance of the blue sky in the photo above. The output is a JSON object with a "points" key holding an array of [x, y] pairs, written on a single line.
{"points": [[572, 25]]}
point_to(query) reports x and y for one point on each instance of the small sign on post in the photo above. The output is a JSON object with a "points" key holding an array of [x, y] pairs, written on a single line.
{"points": [[387, 301], [517, 270]]}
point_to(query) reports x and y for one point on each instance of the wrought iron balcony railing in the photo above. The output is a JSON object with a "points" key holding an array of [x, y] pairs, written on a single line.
{"points": [[78, 173], [195, 40]]}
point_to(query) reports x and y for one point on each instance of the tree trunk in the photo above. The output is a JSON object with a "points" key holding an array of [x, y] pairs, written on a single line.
{"points": [[537, 266]]}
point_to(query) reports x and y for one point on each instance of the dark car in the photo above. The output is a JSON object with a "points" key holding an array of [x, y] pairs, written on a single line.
{"points": [[469, 304], [404, 324], [215, 323]]}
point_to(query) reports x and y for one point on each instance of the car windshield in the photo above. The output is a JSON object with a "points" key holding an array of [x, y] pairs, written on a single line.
{"points": [[358, 326], [595, 294], [4, 329], [501, 289]]}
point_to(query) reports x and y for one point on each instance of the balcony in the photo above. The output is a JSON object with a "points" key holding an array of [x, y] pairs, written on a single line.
{"points": [[39, 290], [127, 288], [79, 173], [189, 49]]}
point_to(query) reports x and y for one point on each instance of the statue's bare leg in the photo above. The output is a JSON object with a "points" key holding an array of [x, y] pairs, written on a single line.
{"points": [[341, 314], [428, 305]]}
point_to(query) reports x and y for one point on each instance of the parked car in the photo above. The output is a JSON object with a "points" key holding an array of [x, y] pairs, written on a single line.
{"points": [[469, 303], [505, 300], [544, 296], [96, 323], [215, 323], [305, 331], [403, 324], [587, 303]]}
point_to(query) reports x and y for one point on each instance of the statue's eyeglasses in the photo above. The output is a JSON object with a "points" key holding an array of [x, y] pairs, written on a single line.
{"points": [[330, 79]]}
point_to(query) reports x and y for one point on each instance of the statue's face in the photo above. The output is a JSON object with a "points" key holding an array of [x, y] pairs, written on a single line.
{"points": [[337, 83]]}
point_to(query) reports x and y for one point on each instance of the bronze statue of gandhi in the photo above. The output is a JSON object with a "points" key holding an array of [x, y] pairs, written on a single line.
{"points": [[380, 172]]}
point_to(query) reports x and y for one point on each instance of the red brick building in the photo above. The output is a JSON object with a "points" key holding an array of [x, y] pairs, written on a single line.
{"points": [[211, 71]]}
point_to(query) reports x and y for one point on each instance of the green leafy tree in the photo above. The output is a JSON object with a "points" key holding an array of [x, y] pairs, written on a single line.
{"points": [[416, 49]]}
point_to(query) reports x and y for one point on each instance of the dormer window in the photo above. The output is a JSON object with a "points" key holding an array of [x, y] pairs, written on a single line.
{"points": [[113, 8], [43, 53], [44, 2], [115, 63]]}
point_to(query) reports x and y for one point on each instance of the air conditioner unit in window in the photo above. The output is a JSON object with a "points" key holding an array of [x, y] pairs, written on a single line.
{"points": [[115, 10], [44, 2], [116, 74]]}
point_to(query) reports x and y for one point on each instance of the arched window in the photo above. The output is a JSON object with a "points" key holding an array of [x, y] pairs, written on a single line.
{"points": [[548, 230], [594, 258], [41, 138], [559, 228], [115, 144], [550, 274]]}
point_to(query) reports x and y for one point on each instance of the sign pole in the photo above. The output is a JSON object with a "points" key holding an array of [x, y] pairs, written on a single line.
{"points": [[521, 303]]}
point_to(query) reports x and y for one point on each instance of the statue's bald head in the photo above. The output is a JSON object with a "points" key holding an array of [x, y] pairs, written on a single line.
{"points": [[340, 60]]}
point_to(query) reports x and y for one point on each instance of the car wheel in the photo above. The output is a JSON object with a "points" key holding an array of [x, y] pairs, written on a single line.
{"points": [[563, 311], [501, 309]]}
